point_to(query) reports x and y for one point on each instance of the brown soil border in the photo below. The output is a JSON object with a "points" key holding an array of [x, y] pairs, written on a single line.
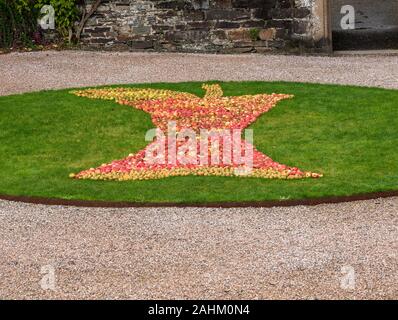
{"points": [[256, 204]]}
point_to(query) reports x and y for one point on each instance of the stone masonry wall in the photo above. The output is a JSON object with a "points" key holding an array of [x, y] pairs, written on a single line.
{"points": [[203, 26]]}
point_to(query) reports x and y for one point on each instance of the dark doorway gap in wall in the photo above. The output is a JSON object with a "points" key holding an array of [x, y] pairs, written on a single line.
{"points": [[375, 25]]}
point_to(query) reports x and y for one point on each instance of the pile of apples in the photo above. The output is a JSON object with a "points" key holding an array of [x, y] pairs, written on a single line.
{"points": [[189, 112]]}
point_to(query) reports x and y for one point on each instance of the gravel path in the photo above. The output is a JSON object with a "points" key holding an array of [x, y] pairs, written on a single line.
{"points": [[21, 72], [296, 252], [348, 250]]}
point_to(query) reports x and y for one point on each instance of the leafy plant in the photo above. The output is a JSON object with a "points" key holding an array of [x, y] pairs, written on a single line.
{"points": [[18, 19], [254, 33], [70, 15], [18, 22], [66, 14]]}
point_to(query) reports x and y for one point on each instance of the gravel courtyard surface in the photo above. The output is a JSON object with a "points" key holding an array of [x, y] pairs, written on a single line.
{"points": [[330, 251], [21, 72], [348, 250]]}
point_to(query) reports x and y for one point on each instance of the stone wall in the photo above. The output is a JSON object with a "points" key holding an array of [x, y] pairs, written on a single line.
{"points": [[203, 26]]}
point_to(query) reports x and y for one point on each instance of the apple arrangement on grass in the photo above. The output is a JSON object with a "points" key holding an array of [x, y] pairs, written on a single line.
{"points": [[181, 155]]}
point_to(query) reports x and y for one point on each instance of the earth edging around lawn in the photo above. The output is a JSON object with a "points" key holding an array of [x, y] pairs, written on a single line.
{"points": [[257, 204]]}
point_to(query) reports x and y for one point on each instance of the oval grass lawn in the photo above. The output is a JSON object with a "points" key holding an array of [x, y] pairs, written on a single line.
{"points": [[350, 134]]}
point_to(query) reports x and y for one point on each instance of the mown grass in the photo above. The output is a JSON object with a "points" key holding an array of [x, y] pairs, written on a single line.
{"points": [[350, 134]]}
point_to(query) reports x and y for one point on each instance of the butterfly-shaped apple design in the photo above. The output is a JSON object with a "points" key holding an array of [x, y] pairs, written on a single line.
{"points": [[212, 113]]}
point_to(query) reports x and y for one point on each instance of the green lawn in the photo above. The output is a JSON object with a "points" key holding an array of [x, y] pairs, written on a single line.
{"points": [[349, 134]]}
